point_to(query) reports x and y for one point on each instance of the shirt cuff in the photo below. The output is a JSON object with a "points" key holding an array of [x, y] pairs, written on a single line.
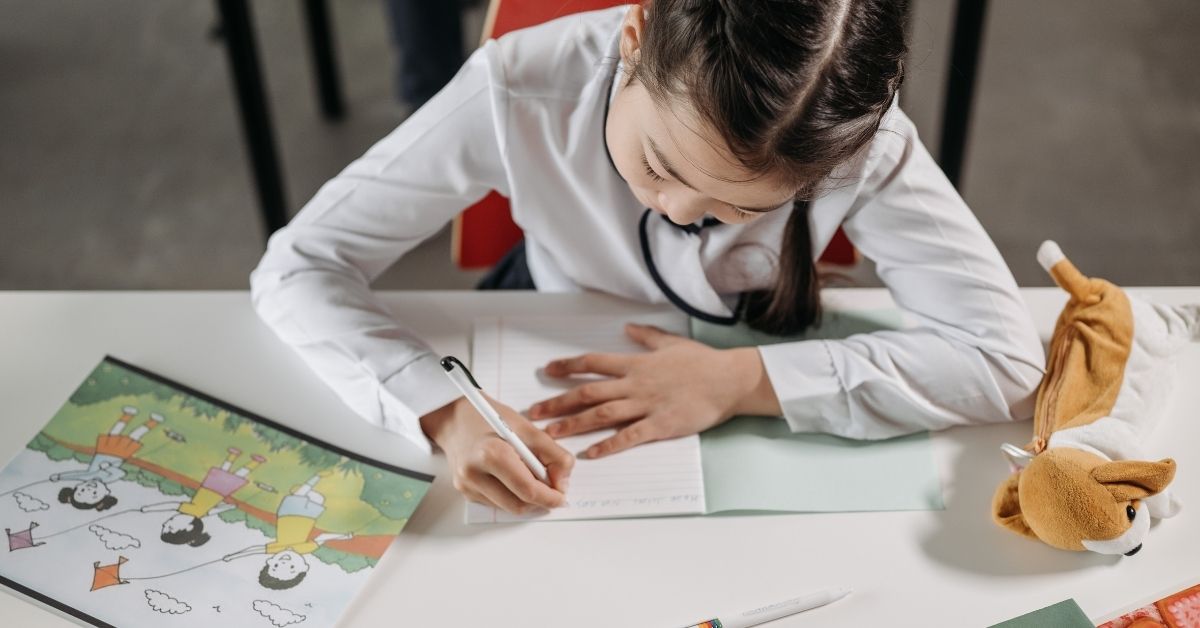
{"points": [[412, 392], [807, 386]]}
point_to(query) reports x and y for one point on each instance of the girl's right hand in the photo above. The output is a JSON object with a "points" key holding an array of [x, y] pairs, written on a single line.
{"points": [[488, 470]]}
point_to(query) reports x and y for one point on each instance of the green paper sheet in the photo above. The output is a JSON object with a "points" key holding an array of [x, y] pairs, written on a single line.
{"points": [[758, 464], [1065, 614]]}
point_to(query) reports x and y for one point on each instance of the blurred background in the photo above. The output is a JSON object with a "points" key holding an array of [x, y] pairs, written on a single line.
{"points": [[123, 165]]}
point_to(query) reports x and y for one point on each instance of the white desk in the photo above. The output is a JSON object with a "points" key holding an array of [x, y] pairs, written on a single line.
{"points": [[952, 567]]}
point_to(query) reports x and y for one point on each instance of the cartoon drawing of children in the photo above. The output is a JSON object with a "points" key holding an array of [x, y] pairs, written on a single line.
{"points": [[112, 450], [186, 526], [296, 517]]}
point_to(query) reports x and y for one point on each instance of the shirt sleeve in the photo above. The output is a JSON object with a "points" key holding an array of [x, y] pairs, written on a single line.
{"points": [[974, 355], [81, 474], [110, 472], [312, 287]]}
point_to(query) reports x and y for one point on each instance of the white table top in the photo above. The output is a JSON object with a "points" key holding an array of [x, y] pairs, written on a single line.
{"points": [[951, 567]]}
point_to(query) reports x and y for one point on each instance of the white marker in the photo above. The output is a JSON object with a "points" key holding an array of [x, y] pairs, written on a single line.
{"points": [[458, 373], [771, 612]]}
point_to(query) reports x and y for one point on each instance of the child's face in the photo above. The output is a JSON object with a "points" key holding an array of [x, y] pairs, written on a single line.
{"points": [[90, 492], [673, 162], [286, 565], [177, 523]]}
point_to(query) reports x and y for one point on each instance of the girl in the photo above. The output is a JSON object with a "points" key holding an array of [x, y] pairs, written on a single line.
{"points": [[186, 526], [112, 450], [296, 516], [701, 152]]}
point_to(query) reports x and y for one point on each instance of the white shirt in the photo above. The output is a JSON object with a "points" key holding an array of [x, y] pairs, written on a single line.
{"points": [[525, 116]]}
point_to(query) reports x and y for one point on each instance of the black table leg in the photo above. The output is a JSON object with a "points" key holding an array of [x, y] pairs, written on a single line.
{"points": [[320, 39], [238, 33], [960, 86]]}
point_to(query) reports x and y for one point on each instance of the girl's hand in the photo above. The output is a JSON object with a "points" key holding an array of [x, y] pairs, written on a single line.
{"points": [[488, 470], [680, 387]]}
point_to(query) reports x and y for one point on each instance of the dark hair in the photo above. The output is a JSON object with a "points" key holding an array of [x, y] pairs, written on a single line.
{"points": [[271, 582], [794, 87], [194, 535], [67, 495]]}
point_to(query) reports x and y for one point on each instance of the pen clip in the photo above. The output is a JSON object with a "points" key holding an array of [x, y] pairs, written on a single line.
{"points": [[448, 363]]}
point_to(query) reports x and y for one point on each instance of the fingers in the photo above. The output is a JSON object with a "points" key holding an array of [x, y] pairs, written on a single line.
{"points": [[598, 417], [498, 477], [559, 462], [610, 364], [492, 491], [643, 431], [579, 398], [650, 336], [501, 461]]}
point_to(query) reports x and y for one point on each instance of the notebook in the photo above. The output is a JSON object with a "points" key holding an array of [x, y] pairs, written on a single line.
{"points": [[656, 479], [1065, 614], [748, 464]]}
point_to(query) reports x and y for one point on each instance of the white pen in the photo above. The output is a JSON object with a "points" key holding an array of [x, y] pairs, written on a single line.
{"points": [[458, 373], [771, 612]]}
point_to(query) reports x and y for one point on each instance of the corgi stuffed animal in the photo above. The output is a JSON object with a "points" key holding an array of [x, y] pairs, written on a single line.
{"points": [[1083, 482]]}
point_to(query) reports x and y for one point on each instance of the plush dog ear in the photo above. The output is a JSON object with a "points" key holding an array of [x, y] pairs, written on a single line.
{"points": [[1006, 508], [1135, 479]]}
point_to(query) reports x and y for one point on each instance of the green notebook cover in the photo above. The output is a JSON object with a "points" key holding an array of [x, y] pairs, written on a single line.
{"points": [[757, 464], [1065, 614]]}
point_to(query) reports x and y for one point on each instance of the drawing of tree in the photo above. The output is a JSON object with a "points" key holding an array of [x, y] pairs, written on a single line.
{"points": [[109, 381], [275, 439], [390, 494], [318, 457]]}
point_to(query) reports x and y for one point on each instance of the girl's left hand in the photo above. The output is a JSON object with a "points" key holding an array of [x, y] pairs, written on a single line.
{"points": [[679, 388]]}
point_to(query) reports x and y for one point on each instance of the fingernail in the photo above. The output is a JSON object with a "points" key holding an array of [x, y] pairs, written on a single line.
{"points": [[552, 429], [535, 411], [592, 452]]}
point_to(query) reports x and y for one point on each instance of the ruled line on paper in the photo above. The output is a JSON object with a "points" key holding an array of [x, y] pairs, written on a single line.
{"points": [[655, 479]]}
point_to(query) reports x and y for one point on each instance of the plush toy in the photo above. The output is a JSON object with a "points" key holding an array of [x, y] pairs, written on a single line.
{"points": [[1083, 483]]}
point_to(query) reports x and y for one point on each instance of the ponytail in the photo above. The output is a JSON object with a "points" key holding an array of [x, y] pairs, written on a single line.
{"points": [[794, 304]]}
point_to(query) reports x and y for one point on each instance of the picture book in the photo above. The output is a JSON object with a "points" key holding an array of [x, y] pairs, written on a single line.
{"points": [[145, 503]]}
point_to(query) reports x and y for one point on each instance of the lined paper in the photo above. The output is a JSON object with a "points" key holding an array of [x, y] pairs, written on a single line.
{"points": [[655, 479]]}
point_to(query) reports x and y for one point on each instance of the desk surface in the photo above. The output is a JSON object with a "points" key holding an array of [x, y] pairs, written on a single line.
{"points": [[950, 567]]}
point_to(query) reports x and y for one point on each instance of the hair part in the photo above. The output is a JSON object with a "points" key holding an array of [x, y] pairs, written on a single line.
{"points": [[795, 88]]}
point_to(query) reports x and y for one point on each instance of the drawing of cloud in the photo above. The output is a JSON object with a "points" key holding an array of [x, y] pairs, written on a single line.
{"points": [[112, 539], [278, 615], [164, 603], [29, 503]]}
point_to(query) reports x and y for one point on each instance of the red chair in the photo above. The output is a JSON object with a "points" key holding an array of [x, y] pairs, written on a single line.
{"points": [[485, 231]]}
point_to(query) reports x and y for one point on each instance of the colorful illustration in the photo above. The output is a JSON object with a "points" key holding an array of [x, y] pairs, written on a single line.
{"points": [[112, 450], [1178, 610], [185, 500], [186, 527], [297, 516]]}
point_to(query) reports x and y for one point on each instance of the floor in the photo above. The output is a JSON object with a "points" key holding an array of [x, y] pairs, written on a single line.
{"points": [[122, 167]]}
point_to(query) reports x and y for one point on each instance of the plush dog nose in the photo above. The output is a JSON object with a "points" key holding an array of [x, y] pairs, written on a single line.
{"points": [[1134, 550]]}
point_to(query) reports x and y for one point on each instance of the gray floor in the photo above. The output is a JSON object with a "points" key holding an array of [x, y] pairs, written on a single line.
{"points": [[121, 163]]}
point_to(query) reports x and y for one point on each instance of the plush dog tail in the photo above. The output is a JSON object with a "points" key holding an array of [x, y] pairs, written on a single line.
{"points": [[1064, 273]]}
